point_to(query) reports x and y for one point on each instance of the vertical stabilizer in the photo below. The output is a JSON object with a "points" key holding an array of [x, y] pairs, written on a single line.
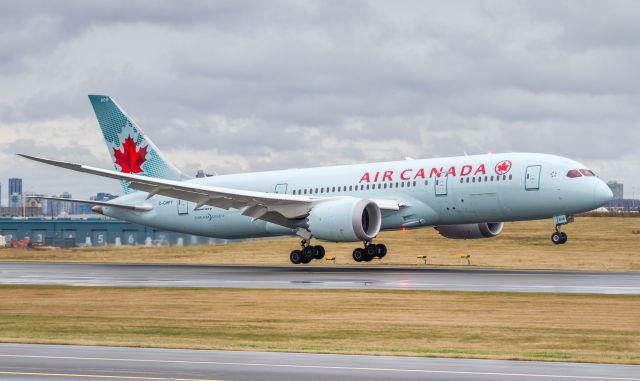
{"points": [[130, 149]]}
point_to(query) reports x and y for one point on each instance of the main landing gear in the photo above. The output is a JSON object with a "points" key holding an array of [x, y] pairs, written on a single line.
{"points": [[307, 253], [559, 237], [369, 252]]}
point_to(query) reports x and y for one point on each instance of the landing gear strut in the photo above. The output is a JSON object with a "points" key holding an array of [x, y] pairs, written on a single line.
{"points": [[559, 237], [307, 253], [369, 252]]}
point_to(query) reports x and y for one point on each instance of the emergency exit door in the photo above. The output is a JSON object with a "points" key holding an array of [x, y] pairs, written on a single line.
{"points": [[183, 207], [281, 188], [441, 185], [532, 177]]}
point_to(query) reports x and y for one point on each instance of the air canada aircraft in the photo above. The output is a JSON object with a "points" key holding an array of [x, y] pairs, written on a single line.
{"points": [[461, 197]]}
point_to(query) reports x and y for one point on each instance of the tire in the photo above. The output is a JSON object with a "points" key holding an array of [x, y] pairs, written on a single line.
{"points": [[371, 250], [358, 255], [296, 257], [319, 252], [382, 250], [556, 238], [308, 254], [563, 238]]}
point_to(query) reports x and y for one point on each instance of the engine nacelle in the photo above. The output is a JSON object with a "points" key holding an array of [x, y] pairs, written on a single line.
{"points": [[345, 219], [471, 231]]}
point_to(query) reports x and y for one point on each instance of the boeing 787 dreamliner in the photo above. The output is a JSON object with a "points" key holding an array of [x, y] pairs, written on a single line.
{"points": [[461, 197]]}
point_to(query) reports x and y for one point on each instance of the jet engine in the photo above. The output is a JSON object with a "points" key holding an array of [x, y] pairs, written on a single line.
{"points": [[345, 219], [471, 231]]}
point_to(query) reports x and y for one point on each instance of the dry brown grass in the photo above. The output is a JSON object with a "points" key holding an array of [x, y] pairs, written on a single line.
{"points": [[594, 328], [595, 243]]}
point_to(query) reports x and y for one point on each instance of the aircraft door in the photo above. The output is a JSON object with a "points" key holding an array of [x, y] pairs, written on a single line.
{"points": [[532, 177], [183, 207], [281, 188], [441, 185]]}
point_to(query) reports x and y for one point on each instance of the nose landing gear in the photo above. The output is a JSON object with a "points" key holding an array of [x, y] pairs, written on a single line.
{"points": [[559, 237]]}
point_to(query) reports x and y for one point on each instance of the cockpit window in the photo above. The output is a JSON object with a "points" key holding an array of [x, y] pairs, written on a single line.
{"points": [[587, 172], [574, 173]]}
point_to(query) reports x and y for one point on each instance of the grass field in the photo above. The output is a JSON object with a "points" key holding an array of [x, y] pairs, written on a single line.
{"points": [[594, 328], [595, 243]]}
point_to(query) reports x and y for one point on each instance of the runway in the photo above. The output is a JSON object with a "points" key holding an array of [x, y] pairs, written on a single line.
{"points": [[55, 362], [319, 278]]}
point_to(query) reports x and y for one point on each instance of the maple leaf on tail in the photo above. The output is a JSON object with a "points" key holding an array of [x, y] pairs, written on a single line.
{"points": [[129, 159]]}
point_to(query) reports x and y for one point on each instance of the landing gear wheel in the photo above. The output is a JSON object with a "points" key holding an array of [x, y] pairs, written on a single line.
{"points": [[370, 251], [358, 255], [556, 238], [308, 253], [381, 250], [563, 237], [296, 257], [319, 252]]}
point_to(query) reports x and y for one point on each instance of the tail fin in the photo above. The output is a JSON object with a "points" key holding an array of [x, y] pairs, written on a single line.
{"points": [[130, 149]]}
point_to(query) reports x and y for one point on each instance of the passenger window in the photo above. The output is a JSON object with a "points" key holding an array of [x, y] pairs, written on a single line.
{"points": [[479, 179], [461, 180], [510, 177], [316, 191], [485, 179], [504, 177], [397, 185], [426, 182], [333, 189], [473, 179], [385, 186], [367, 186], [414, 183], [379, 186], [491, 178], [467, 179]]}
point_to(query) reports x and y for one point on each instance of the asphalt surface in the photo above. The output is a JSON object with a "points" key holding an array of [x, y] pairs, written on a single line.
{"points": [[302, 277], [55, 362]]}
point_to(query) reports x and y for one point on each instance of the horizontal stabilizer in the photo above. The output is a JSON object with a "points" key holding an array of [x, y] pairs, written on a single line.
{"points": [[139, 208]]}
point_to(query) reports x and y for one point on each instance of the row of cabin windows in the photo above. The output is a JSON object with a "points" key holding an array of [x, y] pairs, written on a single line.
{"points": [[401, 184], [351, 188], [486, 179]]}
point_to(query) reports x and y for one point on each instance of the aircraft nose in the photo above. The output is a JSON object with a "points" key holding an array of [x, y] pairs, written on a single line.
{"points": [[602, 193]]}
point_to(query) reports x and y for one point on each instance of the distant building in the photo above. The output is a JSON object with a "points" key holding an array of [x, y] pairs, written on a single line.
{"points": [[56, 208], [15, 192], [101, 196], [95, 231], [617, 189]]}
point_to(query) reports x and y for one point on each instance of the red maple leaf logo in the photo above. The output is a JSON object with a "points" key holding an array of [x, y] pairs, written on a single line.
{"points": [[503, 167], [130, 159]]}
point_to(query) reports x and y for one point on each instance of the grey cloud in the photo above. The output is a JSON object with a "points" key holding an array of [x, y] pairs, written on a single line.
{"points": [[277, 82]]}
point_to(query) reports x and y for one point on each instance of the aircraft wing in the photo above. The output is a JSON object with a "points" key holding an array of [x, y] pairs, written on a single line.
{"points": [[258, 205]]}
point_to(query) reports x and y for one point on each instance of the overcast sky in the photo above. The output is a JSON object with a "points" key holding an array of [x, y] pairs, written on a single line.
{"points": [[235, 86]]}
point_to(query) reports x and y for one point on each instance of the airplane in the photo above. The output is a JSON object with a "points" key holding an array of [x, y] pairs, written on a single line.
{"points": [[465, 197]]}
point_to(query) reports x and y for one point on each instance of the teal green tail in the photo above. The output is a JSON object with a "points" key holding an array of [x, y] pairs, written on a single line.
{"points": [[130, 149]]}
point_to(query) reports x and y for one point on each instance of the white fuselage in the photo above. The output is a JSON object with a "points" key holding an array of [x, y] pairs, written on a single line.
{"points": [[432, 192]]}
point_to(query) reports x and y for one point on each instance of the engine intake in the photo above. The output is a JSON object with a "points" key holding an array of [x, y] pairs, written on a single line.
{"points": [[471, 231], [346, 219]]}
